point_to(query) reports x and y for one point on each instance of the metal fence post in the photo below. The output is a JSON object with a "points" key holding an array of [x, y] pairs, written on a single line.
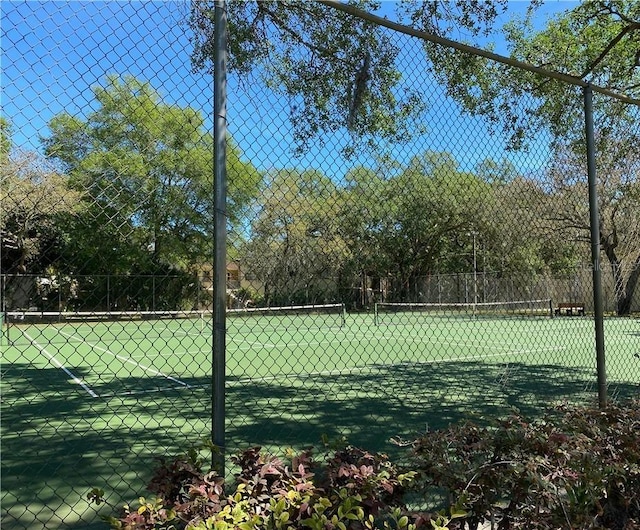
{"points": [[220, 236], [595, 248]]}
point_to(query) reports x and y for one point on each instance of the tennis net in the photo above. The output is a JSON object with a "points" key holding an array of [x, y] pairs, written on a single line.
{"points": [[387, 313], [62, 326], [294, 317], [52, 326]]}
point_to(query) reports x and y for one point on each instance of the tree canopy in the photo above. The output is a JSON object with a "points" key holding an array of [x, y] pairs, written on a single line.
{"points": [[35, 200], [5, 139], [132, 178], [314, 240], [619, 211], [295, 248], [341, 71], [595, 42], [147, 168], [337, 71], [342, 80]]}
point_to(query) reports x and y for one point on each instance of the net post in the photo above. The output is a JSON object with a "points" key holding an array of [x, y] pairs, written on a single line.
{"points": [[376, 321]]}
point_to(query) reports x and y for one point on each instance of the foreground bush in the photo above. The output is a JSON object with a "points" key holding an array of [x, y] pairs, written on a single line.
{"points": [[351, 488], [575, 469]]}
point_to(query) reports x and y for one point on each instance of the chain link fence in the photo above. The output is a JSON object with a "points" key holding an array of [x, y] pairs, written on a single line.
{"points": [[374, 288]]}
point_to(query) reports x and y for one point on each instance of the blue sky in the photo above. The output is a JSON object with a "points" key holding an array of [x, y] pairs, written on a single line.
{"points": [[54, 52]]}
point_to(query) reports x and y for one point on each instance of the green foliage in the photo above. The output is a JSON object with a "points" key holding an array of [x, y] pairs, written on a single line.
{"points": [[351, 489], [409, 220], [147, 169], [338, 71], [250, 297], [401, 221], [36, 203], [5, 139], [618, 189], [596, 42], [593, 41], [295, 244]]}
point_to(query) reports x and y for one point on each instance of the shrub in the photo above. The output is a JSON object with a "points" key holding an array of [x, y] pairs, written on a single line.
{"points": [[576, 468], [352, 488]]}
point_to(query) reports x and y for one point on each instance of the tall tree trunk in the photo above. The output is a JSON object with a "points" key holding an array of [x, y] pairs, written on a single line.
{"points": [[623, 290], [625, 298]]}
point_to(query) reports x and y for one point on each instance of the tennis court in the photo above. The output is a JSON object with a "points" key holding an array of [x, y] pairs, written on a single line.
{"points": [[129, 386], [107, 354]]}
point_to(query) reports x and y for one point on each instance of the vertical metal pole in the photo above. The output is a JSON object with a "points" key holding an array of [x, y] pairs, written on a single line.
{"points": [[595, 248], [220, 236]]}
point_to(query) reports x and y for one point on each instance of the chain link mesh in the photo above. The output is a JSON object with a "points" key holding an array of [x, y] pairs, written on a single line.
{"points": [[372, 292]]}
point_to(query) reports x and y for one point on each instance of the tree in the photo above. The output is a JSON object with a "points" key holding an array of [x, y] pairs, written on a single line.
{"points": [[147, 167], [496, 172], [34, 202], [288, 42], [338, 72], [361, 210], [597, 42], [407, 221], [34, 198], [619, 210], [295, 250], [5, 139]]}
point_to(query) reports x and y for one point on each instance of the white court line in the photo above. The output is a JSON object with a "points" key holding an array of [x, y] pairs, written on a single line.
{"points": [[356, 337], [55, 361], [253, 342], [177, 353], [131, 361], [438, 339]]}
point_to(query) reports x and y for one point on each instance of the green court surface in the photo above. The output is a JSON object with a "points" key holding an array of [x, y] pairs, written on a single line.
{"points": [[115, 358], [90, 404]]}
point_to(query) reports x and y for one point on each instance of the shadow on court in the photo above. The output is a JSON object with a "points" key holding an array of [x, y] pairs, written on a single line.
{"points": [[369, 408], [59, 442]]}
